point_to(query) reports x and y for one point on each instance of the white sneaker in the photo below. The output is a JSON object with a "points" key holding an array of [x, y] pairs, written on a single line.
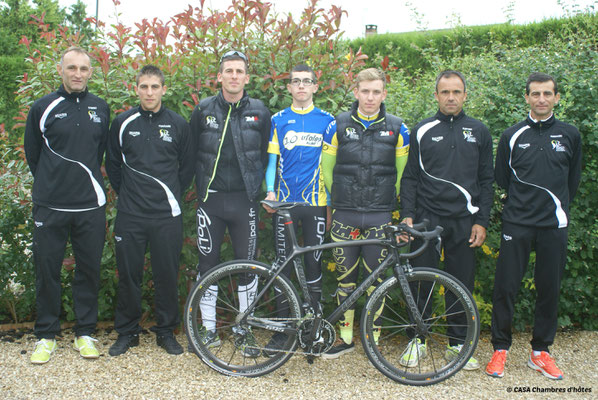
{"points": [[413, 352]]}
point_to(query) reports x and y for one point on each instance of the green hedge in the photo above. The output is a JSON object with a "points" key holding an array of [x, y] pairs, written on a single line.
{"points": [[409, 50], [496, 80]]}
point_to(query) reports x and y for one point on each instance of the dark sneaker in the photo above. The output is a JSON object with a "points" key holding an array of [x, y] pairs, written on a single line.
{"points": [[247, 344], [169, 343], [209, 338], [338, 349], [275, 345], [122, 344]]}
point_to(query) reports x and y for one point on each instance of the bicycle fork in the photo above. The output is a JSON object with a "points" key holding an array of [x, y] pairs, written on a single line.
{"points": [[416, 315]]}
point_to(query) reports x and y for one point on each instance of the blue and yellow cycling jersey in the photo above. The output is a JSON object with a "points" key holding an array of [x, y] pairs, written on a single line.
{"points": [[296, 137]]}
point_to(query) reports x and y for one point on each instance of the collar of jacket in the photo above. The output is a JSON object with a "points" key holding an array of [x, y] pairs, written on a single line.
{"points": [[447, 118], [381, 113], [537, 124], [223, 103], [148, 114], [71, 96]]}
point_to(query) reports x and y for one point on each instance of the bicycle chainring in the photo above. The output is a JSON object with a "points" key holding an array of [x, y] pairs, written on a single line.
{"points": [[324, 339]]}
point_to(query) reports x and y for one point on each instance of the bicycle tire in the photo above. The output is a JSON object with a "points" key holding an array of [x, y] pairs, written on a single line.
{"points": [[228, 357], [386, 310]]}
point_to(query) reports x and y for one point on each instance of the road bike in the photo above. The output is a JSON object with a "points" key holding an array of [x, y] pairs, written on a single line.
{"points": [[248, 303]]}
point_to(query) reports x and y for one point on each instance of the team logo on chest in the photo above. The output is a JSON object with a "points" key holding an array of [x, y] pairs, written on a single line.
{"points": [[60, 116], [165, 136], [437, 138], [351, 133], [93, 116], [292, 139], [251, 118], [557, 146], [386, 133], [211, 122], [468, 135], [523, 145]]}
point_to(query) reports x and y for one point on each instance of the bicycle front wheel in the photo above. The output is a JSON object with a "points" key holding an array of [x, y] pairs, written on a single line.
{"points": [[435, 350], [251, 346]]}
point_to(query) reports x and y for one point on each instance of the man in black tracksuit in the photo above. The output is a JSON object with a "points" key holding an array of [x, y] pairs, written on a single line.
{"points": [[150, 164], [448, 180], [65, 140], [538, 163], [230, 132]]}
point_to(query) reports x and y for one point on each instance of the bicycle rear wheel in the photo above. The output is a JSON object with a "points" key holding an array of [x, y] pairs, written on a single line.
{"points": [[450, 317], [240, 347]]}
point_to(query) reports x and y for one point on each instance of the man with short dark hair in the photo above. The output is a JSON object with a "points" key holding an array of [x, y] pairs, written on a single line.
{"points": [[448, 180], [230, 133], [65, 140], [365, 151], [150, 164], [294, 175], [538, 163]]}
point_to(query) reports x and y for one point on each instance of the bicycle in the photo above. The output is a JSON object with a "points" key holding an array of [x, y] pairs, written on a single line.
{"points": [[254, 301]]}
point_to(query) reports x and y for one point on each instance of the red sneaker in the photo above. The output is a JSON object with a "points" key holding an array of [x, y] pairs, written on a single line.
{"points": [[545, 364], [496, 366]]}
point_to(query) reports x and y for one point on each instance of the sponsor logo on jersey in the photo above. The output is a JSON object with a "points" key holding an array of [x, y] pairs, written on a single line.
{"points": [[437, 138], [306, 139], [351, 133], [291, 121], [118, 238], [468, 135], [134, 133], [164, 126], [556, 136], [557, 146], [165, 136], [524, 145], [211, 122], [94, 117], [61, 115], [38, 223], [251, 118], [386, 133], [91, 108], [507, 237]]}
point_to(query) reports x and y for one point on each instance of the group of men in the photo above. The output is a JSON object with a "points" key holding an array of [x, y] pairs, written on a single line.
{"points": [[357, 163]]}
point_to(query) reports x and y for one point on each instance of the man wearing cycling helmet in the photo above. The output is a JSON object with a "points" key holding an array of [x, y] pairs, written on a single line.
{"points": [[448, 180], [538, 163], [365, 151], [231, 132]]}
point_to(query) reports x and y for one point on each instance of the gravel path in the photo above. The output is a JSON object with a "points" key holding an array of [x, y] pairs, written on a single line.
{"points": [[147, 372]]}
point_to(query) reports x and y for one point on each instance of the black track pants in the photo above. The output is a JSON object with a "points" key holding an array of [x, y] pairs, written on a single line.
{"points": [[516, 243], [87, 230], [459, 261], [165, 238]]}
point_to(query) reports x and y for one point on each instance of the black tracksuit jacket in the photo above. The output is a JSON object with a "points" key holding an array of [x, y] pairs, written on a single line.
{"points": [[150, 161], [538, 163], [65, 141], [449, 169]]}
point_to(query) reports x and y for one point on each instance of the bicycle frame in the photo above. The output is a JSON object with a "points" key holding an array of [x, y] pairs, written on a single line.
{"points": [[393, 258]]}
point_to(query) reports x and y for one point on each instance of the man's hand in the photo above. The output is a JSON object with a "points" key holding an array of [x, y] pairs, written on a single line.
{"points": [[270, 196], [405, 237], [478, 235]]}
